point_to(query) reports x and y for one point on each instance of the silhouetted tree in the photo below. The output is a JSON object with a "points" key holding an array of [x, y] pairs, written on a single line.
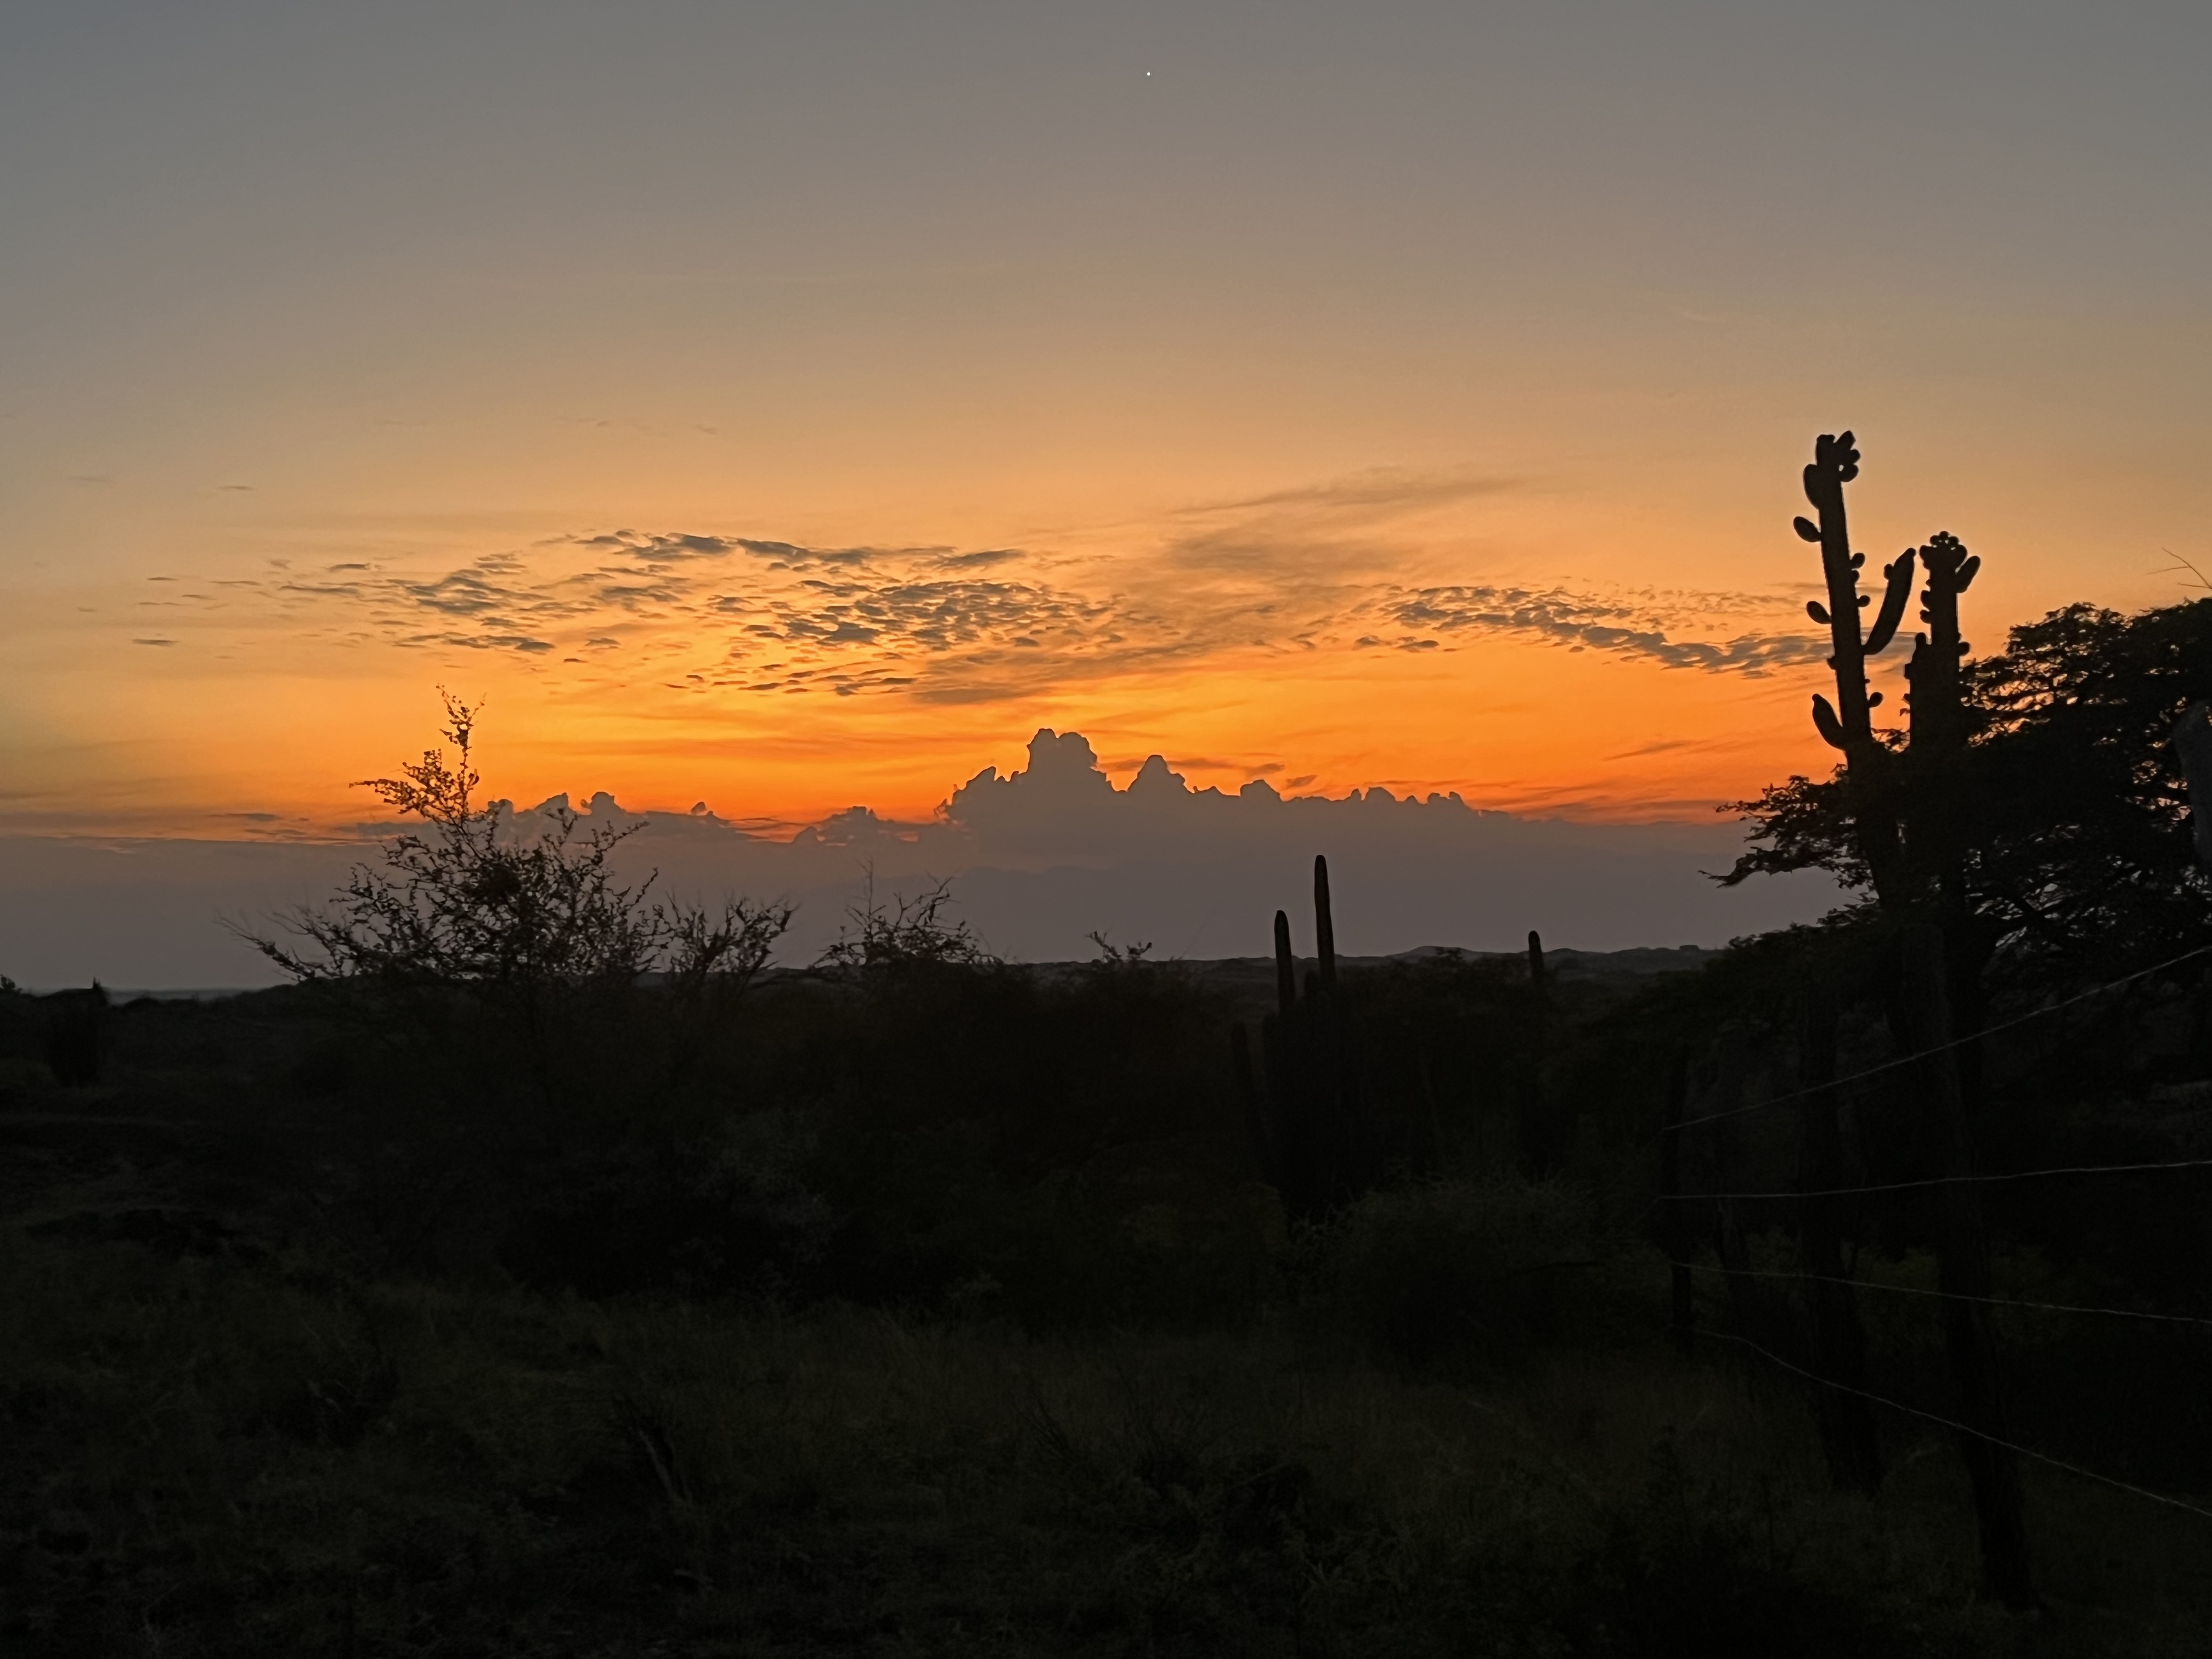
{"points": [[2067, 816], [528, 929], [908, 933], [472, 899]]}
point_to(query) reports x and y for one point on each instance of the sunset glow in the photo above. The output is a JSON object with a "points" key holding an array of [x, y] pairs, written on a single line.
{"points": [[1266, 408]]}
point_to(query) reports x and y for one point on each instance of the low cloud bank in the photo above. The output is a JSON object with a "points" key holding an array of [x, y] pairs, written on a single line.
{"points": [[1038, 860]]}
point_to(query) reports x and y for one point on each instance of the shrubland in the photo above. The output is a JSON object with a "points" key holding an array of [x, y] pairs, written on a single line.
{"points": [[543, 1273]]}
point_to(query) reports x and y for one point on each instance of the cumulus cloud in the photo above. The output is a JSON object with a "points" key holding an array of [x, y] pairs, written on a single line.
{"points": [[1041, 857], [1038, 860]]}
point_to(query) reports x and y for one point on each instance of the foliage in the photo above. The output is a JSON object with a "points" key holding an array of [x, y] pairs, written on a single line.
{"points": [[920, 1301], [911, 933], [947, 1315], [469, 900], [1467, 1267], [221, 1456], [2070, 803]]}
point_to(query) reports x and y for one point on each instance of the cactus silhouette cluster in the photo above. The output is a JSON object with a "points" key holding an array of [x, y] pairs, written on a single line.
{"points": [[1904, 816], [1325, 1117], [1305, 1105], [1906, 813]]}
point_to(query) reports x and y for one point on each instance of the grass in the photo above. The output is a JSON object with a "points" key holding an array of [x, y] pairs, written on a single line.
{"points": [[225, 1432], [228, 1456]]}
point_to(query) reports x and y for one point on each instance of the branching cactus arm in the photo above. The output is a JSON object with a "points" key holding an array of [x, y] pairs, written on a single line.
{"points": [[1847, 723], [1900, 578]]}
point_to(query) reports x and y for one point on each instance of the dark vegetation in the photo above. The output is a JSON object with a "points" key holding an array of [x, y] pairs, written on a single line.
{"points": [[541, 1273]]}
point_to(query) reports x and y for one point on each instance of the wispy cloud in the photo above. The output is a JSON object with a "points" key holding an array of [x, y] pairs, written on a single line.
{"points": [[1633, 625], [1315, 568]]}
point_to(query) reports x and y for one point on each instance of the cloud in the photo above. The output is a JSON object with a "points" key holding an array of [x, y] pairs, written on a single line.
{"points": [[662, 550], [1039, 859], [1627, 625], [1391, 489], [1312, 569]]}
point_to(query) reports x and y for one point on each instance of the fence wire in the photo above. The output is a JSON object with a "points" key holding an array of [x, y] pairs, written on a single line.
{"points": [[1940, 1181], [1947, 1296], [2028, 1452], [1904, 1060]]}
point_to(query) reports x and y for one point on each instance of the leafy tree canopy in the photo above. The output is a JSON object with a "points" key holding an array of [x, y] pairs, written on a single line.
{"points": [[2069, 801]]}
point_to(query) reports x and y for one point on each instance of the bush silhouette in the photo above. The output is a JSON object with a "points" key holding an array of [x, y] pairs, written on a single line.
{"points": [[72, 1035]]}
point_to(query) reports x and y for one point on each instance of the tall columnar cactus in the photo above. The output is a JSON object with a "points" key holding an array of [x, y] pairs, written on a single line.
{"points": [[1936, 800], [1938, 982], [1935, 704], [1315, 1126], [1280, 1054], [1341, 1128], [1324, 924], [1545, 1134], [1847, 723]]}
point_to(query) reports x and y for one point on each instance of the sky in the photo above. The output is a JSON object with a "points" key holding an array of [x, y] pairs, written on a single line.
{"points": [[796, 407], [1039, 864]]}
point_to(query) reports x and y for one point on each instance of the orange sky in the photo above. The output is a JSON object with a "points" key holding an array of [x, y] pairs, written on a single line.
{"points": [[1287, 410]]}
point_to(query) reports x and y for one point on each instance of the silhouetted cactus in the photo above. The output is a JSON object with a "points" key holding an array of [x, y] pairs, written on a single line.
{"points": [[1848, 723], [1545, 1134], [1316, 1128], [1918, 876], [1324, 925], [1934, 803], [1937, 713], [1285, 1151], [1348, 1137]]}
